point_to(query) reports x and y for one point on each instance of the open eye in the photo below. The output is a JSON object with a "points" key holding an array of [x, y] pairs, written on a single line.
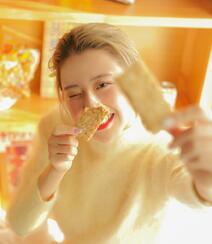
{"points": [[103, 85]]}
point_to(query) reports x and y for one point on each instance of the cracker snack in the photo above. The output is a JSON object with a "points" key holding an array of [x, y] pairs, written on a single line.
{"points": [[91, 119], [145, 94]]}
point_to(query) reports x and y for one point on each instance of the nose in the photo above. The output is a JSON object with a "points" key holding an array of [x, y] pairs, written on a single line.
{"points": [[91, 100]]}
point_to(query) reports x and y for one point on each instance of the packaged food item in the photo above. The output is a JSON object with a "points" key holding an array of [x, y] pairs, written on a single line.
{"points": [[14, 146], [7, 98], [17, 68]]}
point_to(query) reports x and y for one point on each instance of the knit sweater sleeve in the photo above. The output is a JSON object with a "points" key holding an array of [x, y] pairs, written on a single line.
{"points": [[27, 210], [170, 178], [180, 182]]}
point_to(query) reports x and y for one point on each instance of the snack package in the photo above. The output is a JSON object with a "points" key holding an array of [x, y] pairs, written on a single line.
{"points": [[17, 68], [145, 94]]}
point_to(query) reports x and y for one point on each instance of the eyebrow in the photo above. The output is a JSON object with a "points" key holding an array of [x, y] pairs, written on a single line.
{"points": [[101, 75], [70, 86], [94, 78]]}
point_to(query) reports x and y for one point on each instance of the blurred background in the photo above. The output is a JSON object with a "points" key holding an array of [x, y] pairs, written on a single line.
{"points": [[174, 37]]}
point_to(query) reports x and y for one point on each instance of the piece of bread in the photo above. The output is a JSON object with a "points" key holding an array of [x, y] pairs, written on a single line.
{"points": [[91, 119], [144, 92]]}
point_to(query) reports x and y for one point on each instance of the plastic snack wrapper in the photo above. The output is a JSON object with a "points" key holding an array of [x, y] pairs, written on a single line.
{"points": [[17, 69]]}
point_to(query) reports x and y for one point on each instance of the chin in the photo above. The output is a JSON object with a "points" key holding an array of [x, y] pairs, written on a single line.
{"points": [[109, 135], [106, 138]]}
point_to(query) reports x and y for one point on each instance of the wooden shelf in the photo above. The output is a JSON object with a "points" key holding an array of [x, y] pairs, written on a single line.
{"points": [[175, 13], [157, 8], [24, 115]]}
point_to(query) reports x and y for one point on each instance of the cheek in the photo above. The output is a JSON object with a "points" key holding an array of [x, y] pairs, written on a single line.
{"points": [[117, 101], [74, 109], [110, 98]]}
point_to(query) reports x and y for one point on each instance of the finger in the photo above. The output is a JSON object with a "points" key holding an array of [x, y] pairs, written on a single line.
{"points": [[198, 135], [196, 149], [198, 159], [63, 165], [176, 131], [64, 149], [196, 164], [61, 157], [203, 176], [184, 117], [66, 130], [63, 140], [181, 137]]}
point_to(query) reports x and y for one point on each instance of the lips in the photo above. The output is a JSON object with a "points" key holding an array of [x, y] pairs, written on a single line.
{"points": [[107, 123]]}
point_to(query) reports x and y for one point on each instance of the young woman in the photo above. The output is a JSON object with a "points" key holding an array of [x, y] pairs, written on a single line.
{"points": [[111, 189]]}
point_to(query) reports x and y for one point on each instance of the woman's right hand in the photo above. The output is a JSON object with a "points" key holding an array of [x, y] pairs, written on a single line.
{"points": [[63, 147]]}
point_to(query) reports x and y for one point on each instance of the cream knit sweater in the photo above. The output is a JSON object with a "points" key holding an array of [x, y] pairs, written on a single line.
{"points": [[114, 193]]}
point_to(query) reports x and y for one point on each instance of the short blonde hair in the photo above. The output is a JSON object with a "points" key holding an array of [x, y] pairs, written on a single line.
{"points": [[93, 36]]}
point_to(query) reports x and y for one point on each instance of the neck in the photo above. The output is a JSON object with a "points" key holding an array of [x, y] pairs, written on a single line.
{"points": [[134, 134]]}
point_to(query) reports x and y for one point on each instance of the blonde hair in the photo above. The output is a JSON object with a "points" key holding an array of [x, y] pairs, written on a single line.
{"points": [[93, 36]]}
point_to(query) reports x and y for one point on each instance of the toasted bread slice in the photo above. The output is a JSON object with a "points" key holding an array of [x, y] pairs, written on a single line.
{"points": [[145, 94], [91, 119]]}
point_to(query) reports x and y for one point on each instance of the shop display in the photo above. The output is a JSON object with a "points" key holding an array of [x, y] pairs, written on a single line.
{"points": [[15, 146], [17, 68], [53, 30]]}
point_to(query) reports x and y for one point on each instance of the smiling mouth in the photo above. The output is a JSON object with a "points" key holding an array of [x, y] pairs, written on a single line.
{"points": [[107, 122]]}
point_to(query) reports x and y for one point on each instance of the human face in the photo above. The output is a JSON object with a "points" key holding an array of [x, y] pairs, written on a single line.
{"points": [[88, 79]]}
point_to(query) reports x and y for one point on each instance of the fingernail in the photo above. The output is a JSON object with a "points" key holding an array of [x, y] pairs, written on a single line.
{"points": [[77, 131], [169, 123]]}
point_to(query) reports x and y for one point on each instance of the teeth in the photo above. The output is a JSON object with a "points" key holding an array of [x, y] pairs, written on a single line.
{"points": [[106, 118]]}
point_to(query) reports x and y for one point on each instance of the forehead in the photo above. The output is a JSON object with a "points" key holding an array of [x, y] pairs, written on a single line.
{"points": [[88, 64]]}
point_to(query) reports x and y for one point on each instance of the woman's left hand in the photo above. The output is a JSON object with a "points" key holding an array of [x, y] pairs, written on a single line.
{"points": [[192, 134]]}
